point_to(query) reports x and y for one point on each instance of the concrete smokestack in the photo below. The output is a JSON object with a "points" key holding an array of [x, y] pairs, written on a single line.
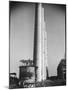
{"points": [[40, 44]]}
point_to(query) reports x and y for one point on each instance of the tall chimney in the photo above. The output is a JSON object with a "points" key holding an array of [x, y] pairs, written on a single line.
{"points": [[40, 44]]}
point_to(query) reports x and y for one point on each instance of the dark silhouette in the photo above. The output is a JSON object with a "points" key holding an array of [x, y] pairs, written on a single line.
{"points": [[61, 70], [13, 80]]}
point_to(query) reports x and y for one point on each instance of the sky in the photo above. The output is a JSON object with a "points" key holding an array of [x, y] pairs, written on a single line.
{"points": [[22, 18]]}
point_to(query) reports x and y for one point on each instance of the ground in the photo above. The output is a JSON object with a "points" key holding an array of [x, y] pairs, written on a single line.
{"points": [[45, 83]]}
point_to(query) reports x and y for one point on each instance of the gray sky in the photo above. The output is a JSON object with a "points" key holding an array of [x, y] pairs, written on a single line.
{"points": [[22, 18]]}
